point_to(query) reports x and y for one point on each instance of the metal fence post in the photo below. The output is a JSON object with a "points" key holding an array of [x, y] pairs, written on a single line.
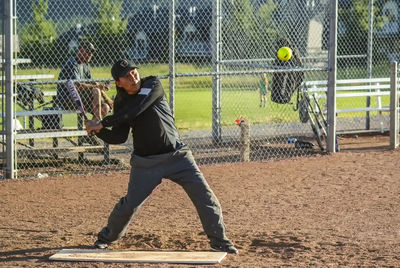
{"points": [[216, 79], [8, 67], [394, 110], [369, 57], [331, 141], [172, 56]]}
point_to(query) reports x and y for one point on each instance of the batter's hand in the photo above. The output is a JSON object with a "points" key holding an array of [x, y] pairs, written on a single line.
{"points": [[93, 126]]}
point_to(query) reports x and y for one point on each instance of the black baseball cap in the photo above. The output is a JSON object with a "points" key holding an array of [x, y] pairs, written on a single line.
{"points": [[121, 68], [89, 47]]}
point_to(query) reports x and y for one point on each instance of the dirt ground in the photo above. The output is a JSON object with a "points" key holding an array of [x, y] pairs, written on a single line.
{"points": [[339, 210]]}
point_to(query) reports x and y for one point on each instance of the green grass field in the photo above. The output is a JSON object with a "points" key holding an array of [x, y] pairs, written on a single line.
{"points": [[193, 98]]}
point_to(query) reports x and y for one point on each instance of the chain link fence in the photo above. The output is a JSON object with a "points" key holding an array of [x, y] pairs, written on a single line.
{"points": [[218, 71]]}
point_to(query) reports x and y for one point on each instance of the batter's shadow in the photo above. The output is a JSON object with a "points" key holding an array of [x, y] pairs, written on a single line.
{"points": [[26, 255], [284, 246]]}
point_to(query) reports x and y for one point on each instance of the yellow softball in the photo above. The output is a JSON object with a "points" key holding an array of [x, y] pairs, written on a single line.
{"points": [[285, 53]]}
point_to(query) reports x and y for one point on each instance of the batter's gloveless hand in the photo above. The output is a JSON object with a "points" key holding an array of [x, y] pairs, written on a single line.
{"points": [[93, 126]]}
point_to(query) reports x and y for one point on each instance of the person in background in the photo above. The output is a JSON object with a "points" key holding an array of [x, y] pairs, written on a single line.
{"points": [[91, 93], [77, 68], [263, 89]]}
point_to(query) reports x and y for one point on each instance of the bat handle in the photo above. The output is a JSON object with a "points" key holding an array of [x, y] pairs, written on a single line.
{"points": [[93, 132]]}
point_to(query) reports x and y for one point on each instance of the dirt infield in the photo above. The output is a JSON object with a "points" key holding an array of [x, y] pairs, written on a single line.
{"points": [[337, 210]]}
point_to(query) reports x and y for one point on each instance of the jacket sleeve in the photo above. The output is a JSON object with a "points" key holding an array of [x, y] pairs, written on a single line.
{"points": [[144, 99], [115, 135]]}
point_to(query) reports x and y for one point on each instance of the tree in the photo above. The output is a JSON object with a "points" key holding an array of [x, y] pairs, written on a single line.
{"points": [[109, 38], [108, 17], [353, 22], [37, 38], [248, 31], [238, 30], [266, 29]]}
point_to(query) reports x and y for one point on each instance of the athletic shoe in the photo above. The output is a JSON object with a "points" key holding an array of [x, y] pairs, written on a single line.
{"points": [[100, 244], [225, 248]]}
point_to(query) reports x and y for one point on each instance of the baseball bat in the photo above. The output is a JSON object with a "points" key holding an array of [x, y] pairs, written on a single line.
{"points": [[73, 92], [77, 100]]}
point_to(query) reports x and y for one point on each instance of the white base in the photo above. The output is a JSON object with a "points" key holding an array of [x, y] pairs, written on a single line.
{"points": [[95, 255]]}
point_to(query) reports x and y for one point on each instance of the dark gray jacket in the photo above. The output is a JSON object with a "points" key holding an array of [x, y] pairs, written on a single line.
{"points": [[148, 114]]}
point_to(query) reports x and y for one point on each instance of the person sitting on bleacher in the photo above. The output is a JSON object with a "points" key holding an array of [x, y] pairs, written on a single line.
{"points": [[77, 68]]}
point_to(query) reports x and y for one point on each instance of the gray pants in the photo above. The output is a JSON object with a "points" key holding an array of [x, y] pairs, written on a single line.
{"points": [[146, 174]]}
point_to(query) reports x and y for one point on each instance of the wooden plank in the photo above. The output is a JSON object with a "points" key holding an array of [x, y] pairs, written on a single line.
{"points": [[350, 81], [51, 134], [43, 112], [18, 61], [363, 80], [177, 257], [351, 88], [362, 94], [32, 76], [363, 109], [363, 87], [76, 149]]}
